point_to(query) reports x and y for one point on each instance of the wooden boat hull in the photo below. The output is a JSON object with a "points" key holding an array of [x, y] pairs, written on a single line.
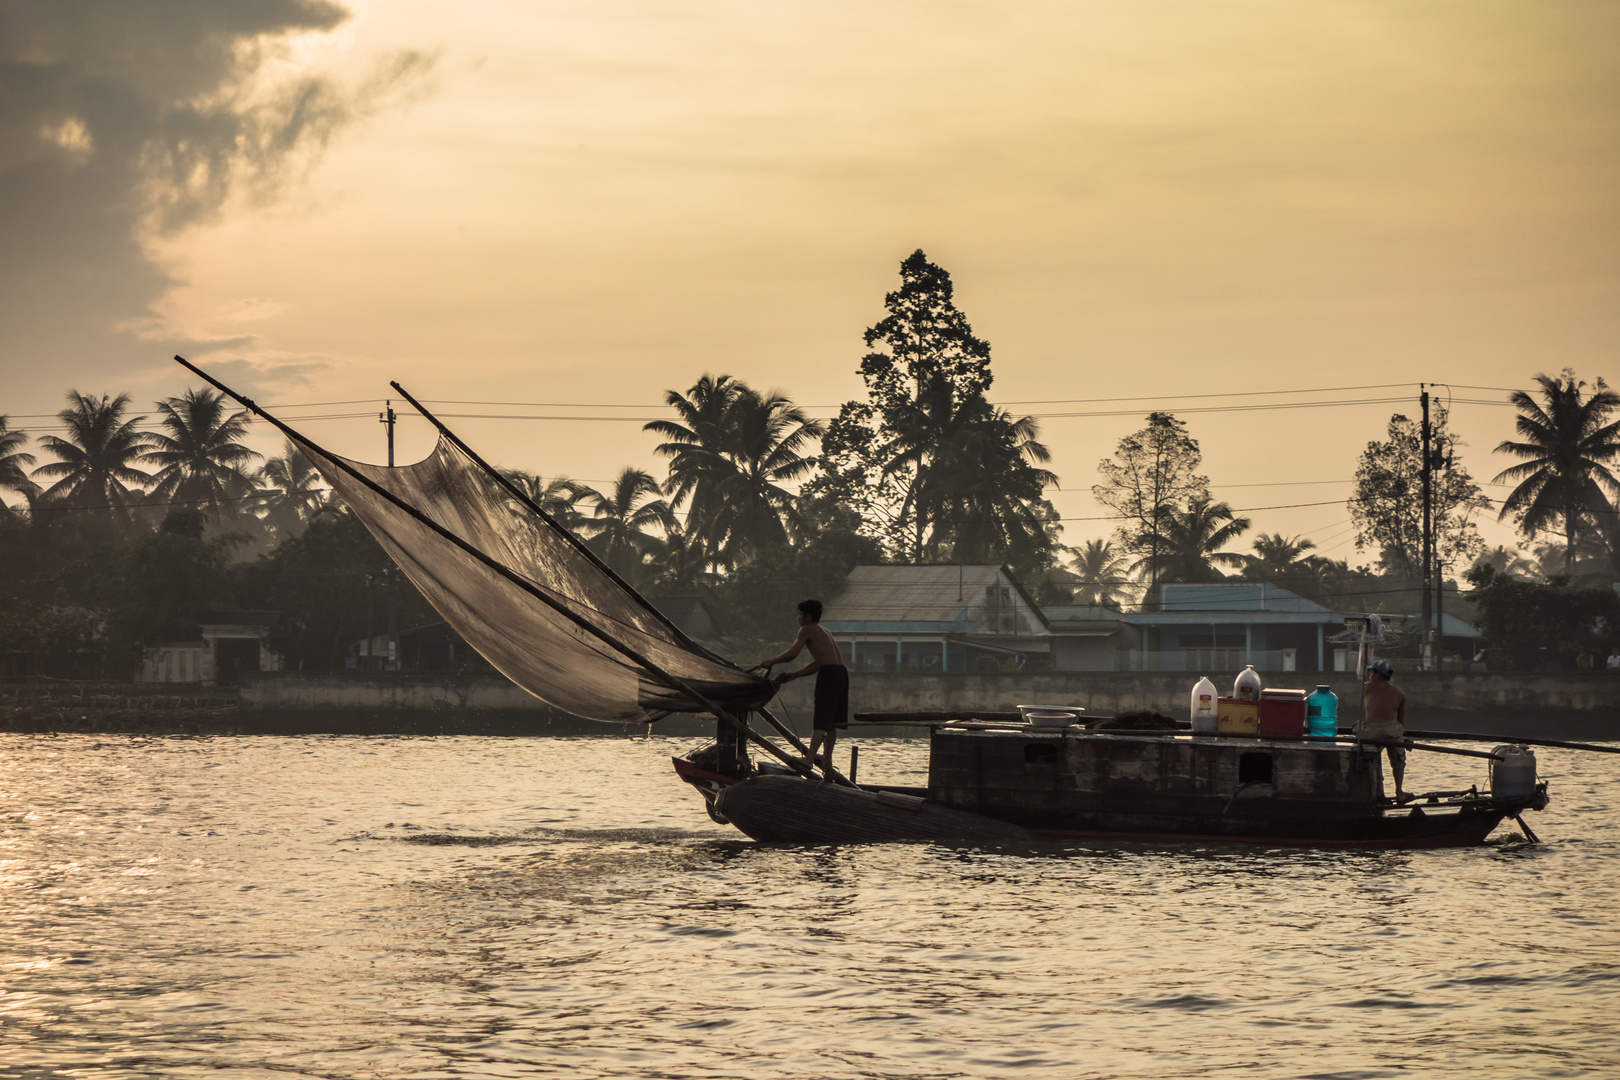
{"points": [[791, 810], [996, 787]]}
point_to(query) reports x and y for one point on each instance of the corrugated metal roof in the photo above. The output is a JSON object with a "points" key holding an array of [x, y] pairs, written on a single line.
{"points": [[939, 593], [1235, 596], [1080, 612]]}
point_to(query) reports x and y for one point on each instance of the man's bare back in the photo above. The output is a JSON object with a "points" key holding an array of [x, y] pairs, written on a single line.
{"points": [[823, 649], [1383, 706], [1383, 702]]}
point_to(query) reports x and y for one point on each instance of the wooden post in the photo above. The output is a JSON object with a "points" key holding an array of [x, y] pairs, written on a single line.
{"points": [[733, 757]]}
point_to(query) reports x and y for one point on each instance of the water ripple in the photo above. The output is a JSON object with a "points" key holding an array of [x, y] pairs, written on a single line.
{"points": [[419, 907]]}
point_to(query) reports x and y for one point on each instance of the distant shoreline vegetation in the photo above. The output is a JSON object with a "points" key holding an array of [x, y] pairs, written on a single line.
{"points": [[133, 530]]}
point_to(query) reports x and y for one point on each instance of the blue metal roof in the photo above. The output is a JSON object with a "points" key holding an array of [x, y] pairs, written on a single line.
{"points": [[843, 626], [1235, 596]]}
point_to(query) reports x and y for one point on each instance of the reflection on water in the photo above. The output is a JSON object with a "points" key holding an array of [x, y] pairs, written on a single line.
{"points": [[393, 907]]}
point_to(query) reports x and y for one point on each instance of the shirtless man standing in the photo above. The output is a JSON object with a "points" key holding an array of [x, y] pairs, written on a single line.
{"points": [[1383, 708], [832, 678]]}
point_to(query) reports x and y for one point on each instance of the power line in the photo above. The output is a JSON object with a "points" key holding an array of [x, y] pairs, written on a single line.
{"points": [[1026, 401], [138, 503]]}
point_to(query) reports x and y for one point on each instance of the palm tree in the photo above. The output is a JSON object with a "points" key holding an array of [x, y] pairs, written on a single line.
{"points": [[763, 451], [200, 456], [291, 491], [681, 560], [96, 469], [13, 459], [1190, 541], [1509, 563], [981, 488], [1567, 445], [696, 445], [1102, 571], [730, 453], [558, 497], [1277, 556], [618, 528]]}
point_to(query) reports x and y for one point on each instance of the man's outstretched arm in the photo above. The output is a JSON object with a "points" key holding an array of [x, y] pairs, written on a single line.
{"points": [[792, 651]]}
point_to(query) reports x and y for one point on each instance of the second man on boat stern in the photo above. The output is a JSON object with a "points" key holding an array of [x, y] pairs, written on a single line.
{"points": [[832, 679], [1383, 710]]}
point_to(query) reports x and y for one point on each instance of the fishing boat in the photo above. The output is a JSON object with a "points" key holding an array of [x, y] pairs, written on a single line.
{"points": [[1007, 782], [557, 621]]}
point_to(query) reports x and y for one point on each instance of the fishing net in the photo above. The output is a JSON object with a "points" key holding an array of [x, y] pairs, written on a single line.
{"points": [[554, 655]]}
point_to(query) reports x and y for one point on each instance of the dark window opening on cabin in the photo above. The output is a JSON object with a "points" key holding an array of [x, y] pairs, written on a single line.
{"points": [[1254, 768], [1211, 639], [1040, 754]]}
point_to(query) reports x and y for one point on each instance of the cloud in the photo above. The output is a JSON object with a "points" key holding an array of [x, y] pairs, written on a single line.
{"points": [[253, 378], [118, 117]]}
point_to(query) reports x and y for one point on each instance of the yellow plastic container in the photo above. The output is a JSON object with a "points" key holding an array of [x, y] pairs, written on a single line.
{"points": [[1242, 717]]}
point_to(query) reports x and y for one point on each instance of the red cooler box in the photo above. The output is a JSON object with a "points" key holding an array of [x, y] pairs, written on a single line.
{"points": [[1282, 712]]}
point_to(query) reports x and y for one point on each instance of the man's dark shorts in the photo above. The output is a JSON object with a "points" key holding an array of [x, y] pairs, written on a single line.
{"points": [[832, 698]]}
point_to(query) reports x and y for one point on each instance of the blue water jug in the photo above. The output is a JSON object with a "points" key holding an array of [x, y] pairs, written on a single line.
{"points": [[1322, 714]]}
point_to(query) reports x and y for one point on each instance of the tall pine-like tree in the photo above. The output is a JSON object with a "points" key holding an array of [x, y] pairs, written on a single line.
{"points": [[934, 470], [1152, 472]]}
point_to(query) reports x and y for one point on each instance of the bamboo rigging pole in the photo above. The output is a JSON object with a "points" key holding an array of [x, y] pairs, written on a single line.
{"points": [[670, 681]]}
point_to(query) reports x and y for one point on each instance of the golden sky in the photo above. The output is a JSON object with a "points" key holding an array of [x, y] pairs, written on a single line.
{"points": [[594, 202]]}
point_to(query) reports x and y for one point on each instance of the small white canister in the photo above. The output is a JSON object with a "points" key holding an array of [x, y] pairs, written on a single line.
{"points": [[1205, 706]]}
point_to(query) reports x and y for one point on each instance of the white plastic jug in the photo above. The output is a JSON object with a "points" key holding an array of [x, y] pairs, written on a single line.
{"points": [[1248, 685], [1204, 706], [1515, 776]]}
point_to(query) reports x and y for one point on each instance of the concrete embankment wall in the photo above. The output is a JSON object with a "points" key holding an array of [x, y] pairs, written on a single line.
{"points": [[1584, 705]]}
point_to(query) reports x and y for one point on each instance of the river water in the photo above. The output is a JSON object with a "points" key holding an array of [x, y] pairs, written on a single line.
{"points": [[487, 907]]}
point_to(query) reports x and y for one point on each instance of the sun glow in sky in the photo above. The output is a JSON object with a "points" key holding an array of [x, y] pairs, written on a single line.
{"points": [[597, 202]]}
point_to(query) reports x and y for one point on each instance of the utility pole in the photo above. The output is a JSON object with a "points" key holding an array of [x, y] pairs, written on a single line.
{"points": [[387, 418], [1428, 531]]}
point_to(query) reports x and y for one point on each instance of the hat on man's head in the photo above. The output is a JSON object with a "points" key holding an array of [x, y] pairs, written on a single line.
{"points": [[1383, 667]]}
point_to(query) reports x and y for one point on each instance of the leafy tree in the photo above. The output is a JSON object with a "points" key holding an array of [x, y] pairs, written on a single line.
{"points": [[1188, 544], [1102, 570], [1387, 505], [323, 583], [1567, 443], [50, 595], [1151, 472], [199, 454], [168, 581], [919, 458], [756, 603], [1529, 622], [291, 492], [97, 459], [620, 528], [13, 460], [1334, 583]]}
